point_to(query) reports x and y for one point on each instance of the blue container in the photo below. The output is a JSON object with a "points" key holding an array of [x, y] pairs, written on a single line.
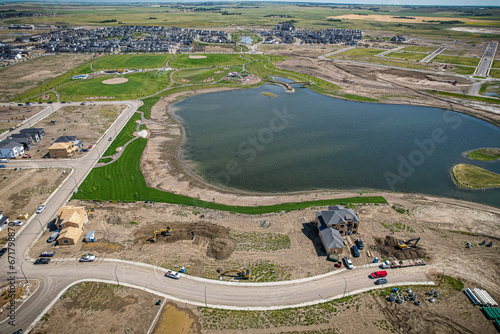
{"points": [[183, 270]]}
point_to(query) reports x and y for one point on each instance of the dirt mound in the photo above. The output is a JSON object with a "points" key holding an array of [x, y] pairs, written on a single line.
{"points": [[220, 249], [389, 248]]}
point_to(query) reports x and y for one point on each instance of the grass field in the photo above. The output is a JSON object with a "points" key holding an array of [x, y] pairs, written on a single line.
{"points": [[485, 154], [138, 85], [145, 61], [495, 64], [183, 61], [407, 55], [197, 75], [495, 73], [426, 49], [464, 70], [456, 60], [358, 53], [470, 176]]}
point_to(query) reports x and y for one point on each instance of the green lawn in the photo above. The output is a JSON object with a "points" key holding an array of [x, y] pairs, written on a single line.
{"points": [[426, 49], [358, 53], [467, 97], [138, 85], [183, 60], [495, 64], [125, 61], [124, 136], [485, 154], [471, 176], [407, 55], [456, 60], [147, 105]]}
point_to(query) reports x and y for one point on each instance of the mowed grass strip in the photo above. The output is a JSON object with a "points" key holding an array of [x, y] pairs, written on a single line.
{"points": [[456, 60], [471, 176], [124, 136], [147, 105], [138, 85], [144, 61], [122, 181], [183, 60]]}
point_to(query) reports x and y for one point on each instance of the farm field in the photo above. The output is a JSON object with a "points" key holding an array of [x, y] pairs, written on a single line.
{"points": [[145, 61], [456, 60], [407, 55], [183, 60], [138, 85]]}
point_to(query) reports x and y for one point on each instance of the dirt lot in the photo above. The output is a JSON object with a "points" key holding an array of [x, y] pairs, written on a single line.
{"points": [[13, 115], [21, 77], [286, 245], [100, 308], [179, 320], [24, 190], [86, 122]]}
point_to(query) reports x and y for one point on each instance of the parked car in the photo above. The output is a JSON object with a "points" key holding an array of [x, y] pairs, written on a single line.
{"points": [[110, 139], [4, 160], [2, 166], [355, 251], [40, 209], [385, 264], [53, 236], [23, 216], [381, 281], [173, 274], [379, 274], [360, 243], [20, 104], [42, 260], [26, 156], [3, 251], [87, 258], [17, 223], [348, 263], [47, 254]]}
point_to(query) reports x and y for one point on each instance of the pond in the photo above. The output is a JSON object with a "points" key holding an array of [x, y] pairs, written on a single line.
{"points": [[299, 141], [246, 39]]}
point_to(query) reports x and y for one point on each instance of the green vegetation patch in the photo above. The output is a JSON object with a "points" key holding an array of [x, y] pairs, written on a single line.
{"points": [[268, 94], [144, 61], [138, 85], [463, 70], [485, 154], [426, 49], [453, 283], [124, 136], [262, 242], [183, 60], [200, 76], [148, 103], [456, 60], [495, 73], [471, 176], [219, 319], [467, 97], [407, 55]]}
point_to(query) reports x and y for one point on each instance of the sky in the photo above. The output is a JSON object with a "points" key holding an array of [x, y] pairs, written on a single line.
{"points": [[385, 2]]}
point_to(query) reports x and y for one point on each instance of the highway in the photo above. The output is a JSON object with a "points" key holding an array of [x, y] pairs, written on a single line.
{"points": [[485, 64], [55, 277]]}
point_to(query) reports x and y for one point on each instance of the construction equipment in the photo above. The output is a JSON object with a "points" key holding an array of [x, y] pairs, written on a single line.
{"points": [[469, 245], [490, 244], [164, 232], [242, 274], [406, 244]]}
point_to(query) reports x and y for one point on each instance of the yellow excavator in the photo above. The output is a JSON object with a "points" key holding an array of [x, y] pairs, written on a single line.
{"points": [[242, 274], [407, 243], [163, 232]]}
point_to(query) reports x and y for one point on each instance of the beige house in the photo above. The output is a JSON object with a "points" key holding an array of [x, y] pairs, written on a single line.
{"points": [[62, 150], [71, 220], [334, 223]]}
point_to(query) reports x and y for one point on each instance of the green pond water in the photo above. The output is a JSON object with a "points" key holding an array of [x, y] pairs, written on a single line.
{"points": [[244, 140]]}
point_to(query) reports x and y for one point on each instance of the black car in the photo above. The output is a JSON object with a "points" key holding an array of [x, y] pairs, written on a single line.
{"points": [[2, 251], [42, 260]]}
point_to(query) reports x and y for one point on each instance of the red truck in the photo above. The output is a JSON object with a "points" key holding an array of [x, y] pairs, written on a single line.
{"points": [[379, 274]]}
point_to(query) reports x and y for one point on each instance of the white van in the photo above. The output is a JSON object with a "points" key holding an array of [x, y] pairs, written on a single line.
{"points": [[4, 160]]}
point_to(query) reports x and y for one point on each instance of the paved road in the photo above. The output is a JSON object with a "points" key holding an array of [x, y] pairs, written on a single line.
{"points": [[382, 54], [486, 61], [434, 54]]}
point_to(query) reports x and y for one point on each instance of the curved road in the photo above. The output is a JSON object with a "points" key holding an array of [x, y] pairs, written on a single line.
{"points": [[61, 273]]}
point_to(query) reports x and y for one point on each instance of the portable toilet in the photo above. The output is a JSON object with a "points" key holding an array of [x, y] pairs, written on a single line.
{"points": [[90, 237]]}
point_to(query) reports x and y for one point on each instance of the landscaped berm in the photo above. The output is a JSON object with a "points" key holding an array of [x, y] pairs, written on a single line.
{"points": [[115, 81]]}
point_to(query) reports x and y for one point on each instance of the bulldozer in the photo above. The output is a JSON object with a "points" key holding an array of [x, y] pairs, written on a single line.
{"points": [[407, 243], [242, 274], [165, 232]]}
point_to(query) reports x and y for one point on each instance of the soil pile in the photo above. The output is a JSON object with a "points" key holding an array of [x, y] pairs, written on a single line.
{"points": [[220, 249], [389, 248]]}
